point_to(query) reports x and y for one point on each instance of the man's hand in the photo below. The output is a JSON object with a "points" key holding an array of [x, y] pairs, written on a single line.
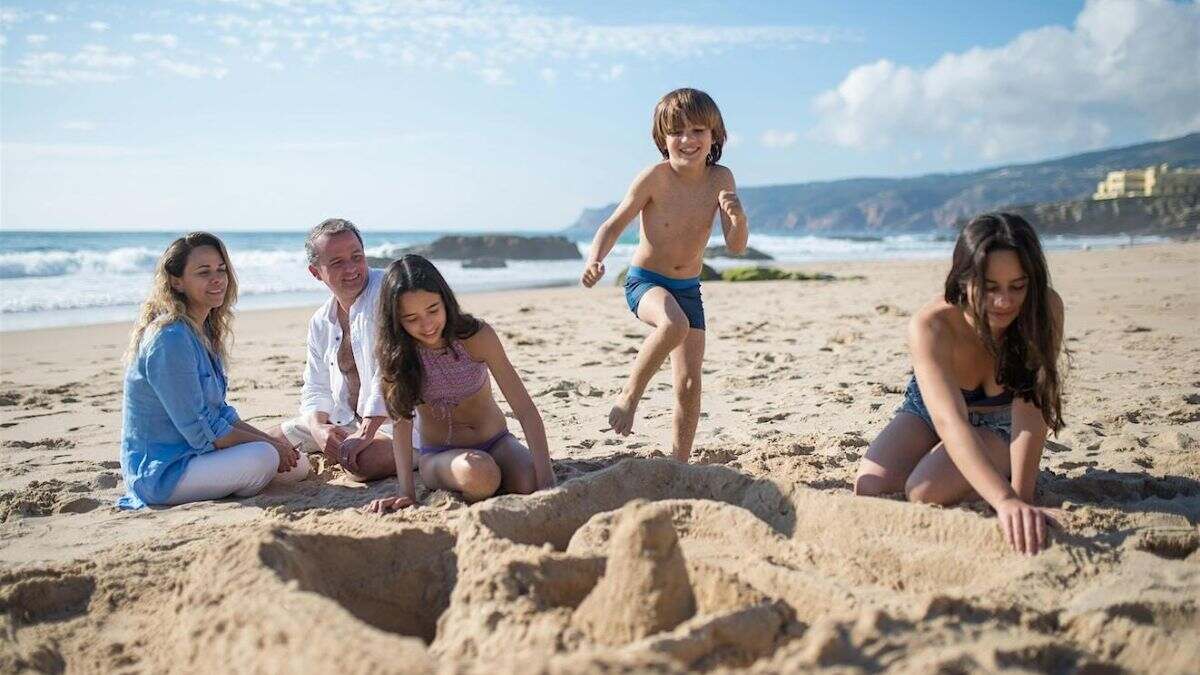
{"points": [[386, 504], [592, 273], [348, 452], [329, 438], [732, 206]]}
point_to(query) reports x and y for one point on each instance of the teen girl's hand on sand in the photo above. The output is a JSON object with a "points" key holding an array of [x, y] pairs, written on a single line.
{"points": [[732, 206], [592, 273], [387, 504], [1024, 525]]}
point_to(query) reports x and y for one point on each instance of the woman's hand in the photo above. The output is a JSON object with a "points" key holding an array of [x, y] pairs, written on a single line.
{"points": [[289, 455], [387, 504], [1024, 525]]}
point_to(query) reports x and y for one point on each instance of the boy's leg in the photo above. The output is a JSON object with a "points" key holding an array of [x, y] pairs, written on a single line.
{"points": [[686, 360], [660, 310]]}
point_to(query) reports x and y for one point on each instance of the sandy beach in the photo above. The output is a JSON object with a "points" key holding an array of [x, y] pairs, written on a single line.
{"points": [[755, 558]]}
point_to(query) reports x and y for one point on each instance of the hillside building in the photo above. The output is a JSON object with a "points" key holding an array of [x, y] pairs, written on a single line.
{"points": [[1152, 181]]}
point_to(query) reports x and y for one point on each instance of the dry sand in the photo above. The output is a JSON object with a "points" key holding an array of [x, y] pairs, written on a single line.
{"points": [[758, 560]]}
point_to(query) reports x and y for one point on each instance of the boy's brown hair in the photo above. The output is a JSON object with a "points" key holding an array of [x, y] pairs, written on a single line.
{"points": [[683, 106]]}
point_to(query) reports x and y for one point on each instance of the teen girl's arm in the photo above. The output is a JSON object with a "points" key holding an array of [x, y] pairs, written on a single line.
{"points": [[1025, 448], [931, 344], [487, 344], [734, 223], [1029, 427], [610, 230], [402, 451]]}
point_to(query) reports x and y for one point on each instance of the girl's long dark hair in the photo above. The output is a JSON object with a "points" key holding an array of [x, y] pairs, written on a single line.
{"points": [[1027, 353], [399, 364]]}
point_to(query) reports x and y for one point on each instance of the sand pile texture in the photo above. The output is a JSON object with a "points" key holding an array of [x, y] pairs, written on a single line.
{"points": [[755, 559]]}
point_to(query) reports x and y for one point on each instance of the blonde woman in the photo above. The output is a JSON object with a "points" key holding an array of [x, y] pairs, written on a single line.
{"points": [[181, 442]]}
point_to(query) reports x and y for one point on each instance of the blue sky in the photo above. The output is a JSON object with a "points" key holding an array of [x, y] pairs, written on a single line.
{"points": [[447, 114]]}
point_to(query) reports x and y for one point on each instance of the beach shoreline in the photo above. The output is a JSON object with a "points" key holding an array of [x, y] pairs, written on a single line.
{"points": [[798, 378]]}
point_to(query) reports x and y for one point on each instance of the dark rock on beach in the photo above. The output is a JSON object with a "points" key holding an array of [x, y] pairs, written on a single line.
{"points": [[748, 254], [489, 246]]}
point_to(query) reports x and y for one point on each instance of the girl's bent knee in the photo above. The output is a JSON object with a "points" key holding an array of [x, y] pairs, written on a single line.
{"points": [[479, 475], [921, 492]]}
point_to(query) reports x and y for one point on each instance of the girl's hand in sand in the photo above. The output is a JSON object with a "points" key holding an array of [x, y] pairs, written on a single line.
{"points": [[592, 273], [731, 205], [1024, 525], [387, 504]]}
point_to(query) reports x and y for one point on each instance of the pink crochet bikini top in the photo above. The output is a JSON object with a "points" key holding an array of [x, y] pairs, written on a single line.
{"points": [[451, 376]]}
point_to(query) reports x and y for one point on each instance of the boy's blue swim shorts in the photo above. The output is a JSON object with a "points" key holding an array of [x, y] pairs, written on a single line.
{"points": [[685, 291]]}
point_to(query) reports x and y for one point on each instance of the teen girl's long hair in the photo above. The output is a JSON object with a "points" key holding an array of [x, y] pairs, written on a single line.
{"points": [[399, 364], [1027, 353], [165, 305]]}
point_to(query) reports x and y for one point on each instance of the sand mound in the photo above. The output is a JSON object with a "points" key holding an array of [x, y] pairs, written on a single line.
{"points": [[646, 565], [645, 588]]}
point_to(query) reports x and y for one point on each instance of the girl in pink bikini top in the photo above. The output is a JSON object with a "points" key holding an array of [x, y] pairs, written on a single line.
{"points": [[450, 376]]}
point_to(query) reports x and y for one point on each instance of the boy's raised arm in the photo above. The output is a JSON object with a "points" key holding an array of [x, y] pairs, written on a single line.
{"points": [[734, 223], [610, 230]]}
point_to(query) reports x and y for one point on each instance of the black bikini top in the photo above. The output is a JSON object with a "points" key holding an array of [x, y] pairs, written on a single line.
{"points": [[978, 397]]}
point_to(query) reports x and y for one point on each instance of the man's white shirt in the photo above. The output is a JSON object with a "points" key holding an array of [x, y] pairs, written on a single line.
{"points": [[325, 387]]}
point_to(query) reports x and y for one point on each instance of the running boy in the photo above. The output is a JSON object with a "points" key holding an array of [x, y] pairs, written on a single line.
{"points": [[677, 199]]}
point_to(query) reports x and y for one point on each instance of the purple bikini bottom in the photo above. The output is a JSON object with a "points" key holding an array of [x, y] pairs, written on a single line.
{"points": [[485, 446]]}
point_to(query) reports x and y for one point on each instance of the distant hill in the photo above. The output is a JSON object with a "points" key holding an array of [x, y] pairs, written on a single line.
{"points": [[935, 202]]}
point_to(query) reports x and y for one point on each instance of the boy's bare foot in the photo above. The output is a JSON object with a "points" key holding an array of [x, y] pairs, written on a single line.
{"points": [[620, 418]]}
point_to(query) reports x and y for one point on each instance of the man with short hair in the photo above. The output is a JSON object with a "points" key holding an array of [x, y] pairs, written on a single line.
{"points": [[342, 412]]}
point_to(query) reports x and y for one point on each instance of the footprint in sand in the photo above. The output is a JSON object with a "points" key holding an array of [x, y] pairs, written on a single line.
{"points": [[48, 443], [42, 498]]}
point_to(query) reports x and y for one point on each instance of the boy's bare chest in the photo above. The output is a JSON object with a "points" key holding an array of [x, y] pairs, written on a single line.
{"points": [[683, 207]]}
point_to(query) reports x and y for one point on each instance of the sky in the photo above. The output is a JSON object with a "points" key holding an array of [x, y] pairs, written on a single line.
{"points": [[461, 115]]}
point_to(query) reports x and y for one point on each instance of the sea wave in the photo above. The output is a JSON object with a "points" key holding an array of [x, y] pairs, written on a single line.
{"points": [[120, 261]]}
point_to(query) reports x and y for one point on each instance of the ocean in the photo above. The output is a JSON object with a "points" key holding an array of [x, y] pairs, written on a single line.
{"points": [[78, 278]]}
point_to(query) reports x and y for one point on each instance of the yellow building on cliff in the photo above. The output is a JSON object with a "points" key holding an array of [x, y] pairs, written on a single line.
{"points": [[1152, 181]]}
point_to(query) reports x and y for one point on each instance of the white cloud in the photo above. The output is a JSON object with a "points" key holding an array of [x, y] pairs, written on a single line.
{"points": [[78, 125], [499, 33], [548, 75], [10, 17], [166, 40], [51, 18], [3, 40], [732, 140], [1123, 63], [192, 70], [230, 41], [98, 26], [92, 63], [36, 39], [613, 73], [774, 138], [495, 76], [100, 57]]}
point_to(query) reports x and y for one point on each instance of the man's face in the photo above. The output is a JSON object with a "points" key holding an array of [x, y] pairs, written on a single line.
{"points": [[341, 264]]}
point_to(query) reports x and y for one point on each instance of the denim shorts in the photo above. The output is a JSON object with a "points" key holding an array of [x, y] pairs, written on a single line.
{"points": [[998, 420]]}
